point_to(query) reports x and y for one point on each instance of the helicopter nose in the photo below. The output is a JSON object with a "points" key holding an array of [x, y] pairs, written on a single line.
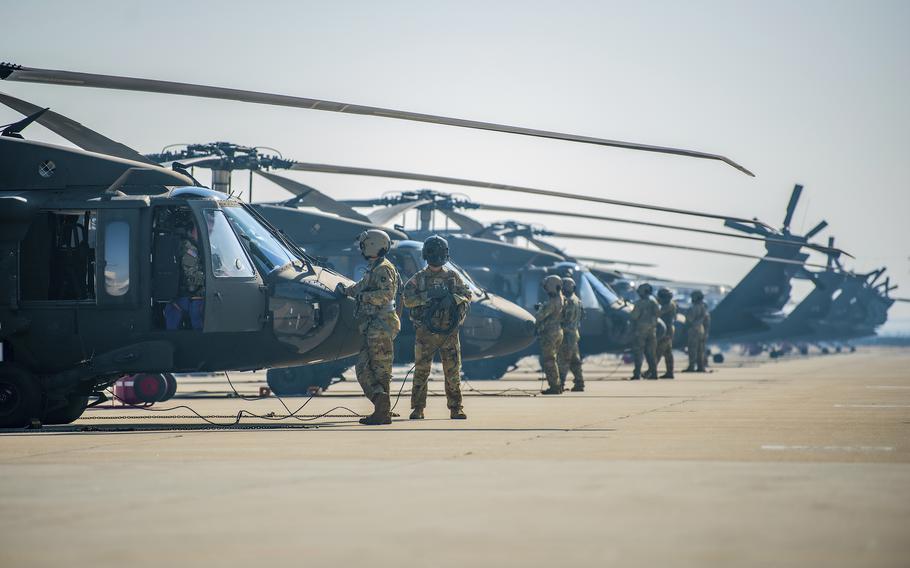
{"points": [[313, 320], [517, 328]]}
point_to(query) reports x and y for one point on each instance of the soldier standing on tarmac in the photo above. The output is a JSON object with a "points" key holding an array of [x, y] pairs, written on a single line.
{"points": [[549, 331], [668, 316], [644, 319], [378, 321], [438, 301], [698, 321], [569, 355]]}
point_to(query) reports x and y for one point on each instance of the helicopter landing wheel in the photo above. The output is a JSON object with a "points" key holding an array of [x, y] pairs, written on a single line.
{"points": [[69, 412], [171, 387], [292, 381], [20, 397]]}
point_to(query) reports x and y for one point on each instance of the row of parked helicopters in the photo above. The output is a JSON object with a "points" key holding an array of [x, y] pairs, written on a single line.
{"points": [[89, 237]]}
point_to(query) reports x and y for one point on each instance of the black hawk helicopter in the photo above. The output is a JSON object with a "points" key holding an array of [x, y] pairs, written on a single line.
{"points": [[88, 243]]}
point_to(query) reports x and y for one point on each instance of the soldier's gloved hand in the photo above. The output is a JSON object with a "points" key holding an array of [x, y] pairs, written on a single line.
{"points": [[437, 292], [341, 290]]}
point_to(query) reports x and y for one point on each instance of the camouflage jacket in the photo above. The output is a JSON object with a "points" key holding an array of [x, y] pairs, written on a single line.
{"points": [[644, 314], [572, 314], [668, 315], [192, 276], [698, 316], [549, 315], [376, 291], [416, 294]]}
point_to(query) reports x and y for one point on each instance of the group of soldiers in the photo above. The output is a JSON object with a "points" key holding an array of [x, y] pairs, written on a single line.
{"points": [[654, 325], [653, 328], [438, 300]]}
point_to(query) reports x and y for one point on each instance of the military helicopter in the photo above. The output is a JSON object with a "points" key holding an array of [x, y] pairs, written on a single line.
{"points": [[81, 306], [493, 327]]}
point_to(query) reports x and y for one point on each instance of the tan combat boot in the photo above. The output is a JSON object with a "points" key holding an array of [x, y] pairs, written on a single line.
{"points": [[417, 414], [458, 414], [382, 414]]}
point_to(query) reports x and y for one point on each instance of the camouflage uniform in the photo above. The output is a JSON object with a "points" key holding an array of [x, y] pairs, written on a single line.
{"points": [[379, 324], [697, 321], [549, 335], [191, 293], [417, 300], [665, 343], [569, 354], [644, 342]]}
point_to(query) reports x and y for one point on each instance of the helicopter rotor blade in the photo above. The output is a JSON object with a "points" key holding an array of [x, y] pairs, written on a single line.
{"points": [[615, 261], [74, 132], [816, 229], [372, 172], [507, 209], [385, 214], [12, 72], [467, 224], [309, 196], [680, 247], [791, 206]]}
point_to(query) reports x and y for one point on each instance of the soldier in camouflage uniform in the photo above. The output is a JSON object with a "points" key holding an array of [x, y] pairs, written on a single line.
{"points": [[378, 323], [569, 355], [665, 343], [644, 342], [549, 331], [438, 301], [190, 301], [698, 321]]}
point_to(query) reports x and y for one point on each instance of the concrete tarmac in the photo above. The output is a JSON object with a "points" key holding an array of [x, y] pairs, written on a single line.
{"points": [[798, 462]]}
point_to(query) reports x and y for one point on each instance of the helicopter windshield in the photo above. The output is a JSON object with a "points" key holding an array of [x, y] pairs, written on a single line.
{"points": [[600, 288], [267, 251], [475, 289]]}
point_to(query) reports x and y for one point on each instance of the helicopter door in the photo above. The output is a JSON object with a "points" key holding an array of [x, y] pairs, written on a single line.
{"points": [[235, 297]]}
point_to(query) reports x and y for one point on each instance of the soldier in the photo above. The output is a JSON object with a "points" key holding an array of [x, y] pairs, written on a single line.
{"points": [[549, 331], [438, 300], [569, 355], [190, 300], [698, 321], [665, 343], [644, 320], [378, 322]]}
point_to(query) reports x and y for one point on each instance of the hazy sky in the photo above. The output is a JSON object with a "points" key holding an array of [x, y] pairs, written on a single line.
{"points": [[816, 93]]}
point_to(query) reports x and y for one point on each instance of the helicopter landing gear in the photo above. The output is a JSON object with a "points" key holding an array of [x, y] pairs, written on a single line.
{"points": [[71, 410], [20, 397], [487, 369], [298, 380]]}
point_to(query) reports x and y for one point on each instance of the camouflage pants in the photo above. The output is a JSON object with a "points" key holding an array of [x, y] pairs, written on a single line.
{"points": [[569, 359], [696, 341], [644, 346], [449, 347], [665, 351], [374, 362], [550, 342]]}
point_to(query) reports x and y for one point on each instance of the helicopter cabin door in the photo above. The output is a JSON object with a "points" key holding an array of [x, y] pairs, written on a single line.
{"points": [[235, 297]]}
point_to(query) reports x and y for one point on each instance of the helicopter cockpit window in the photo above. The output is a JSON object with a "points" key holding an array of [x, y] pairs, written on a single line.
{"points": [[475, 289], [227, 254], [267, 251], [117, 258], [600, 288], [586, 295]]}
